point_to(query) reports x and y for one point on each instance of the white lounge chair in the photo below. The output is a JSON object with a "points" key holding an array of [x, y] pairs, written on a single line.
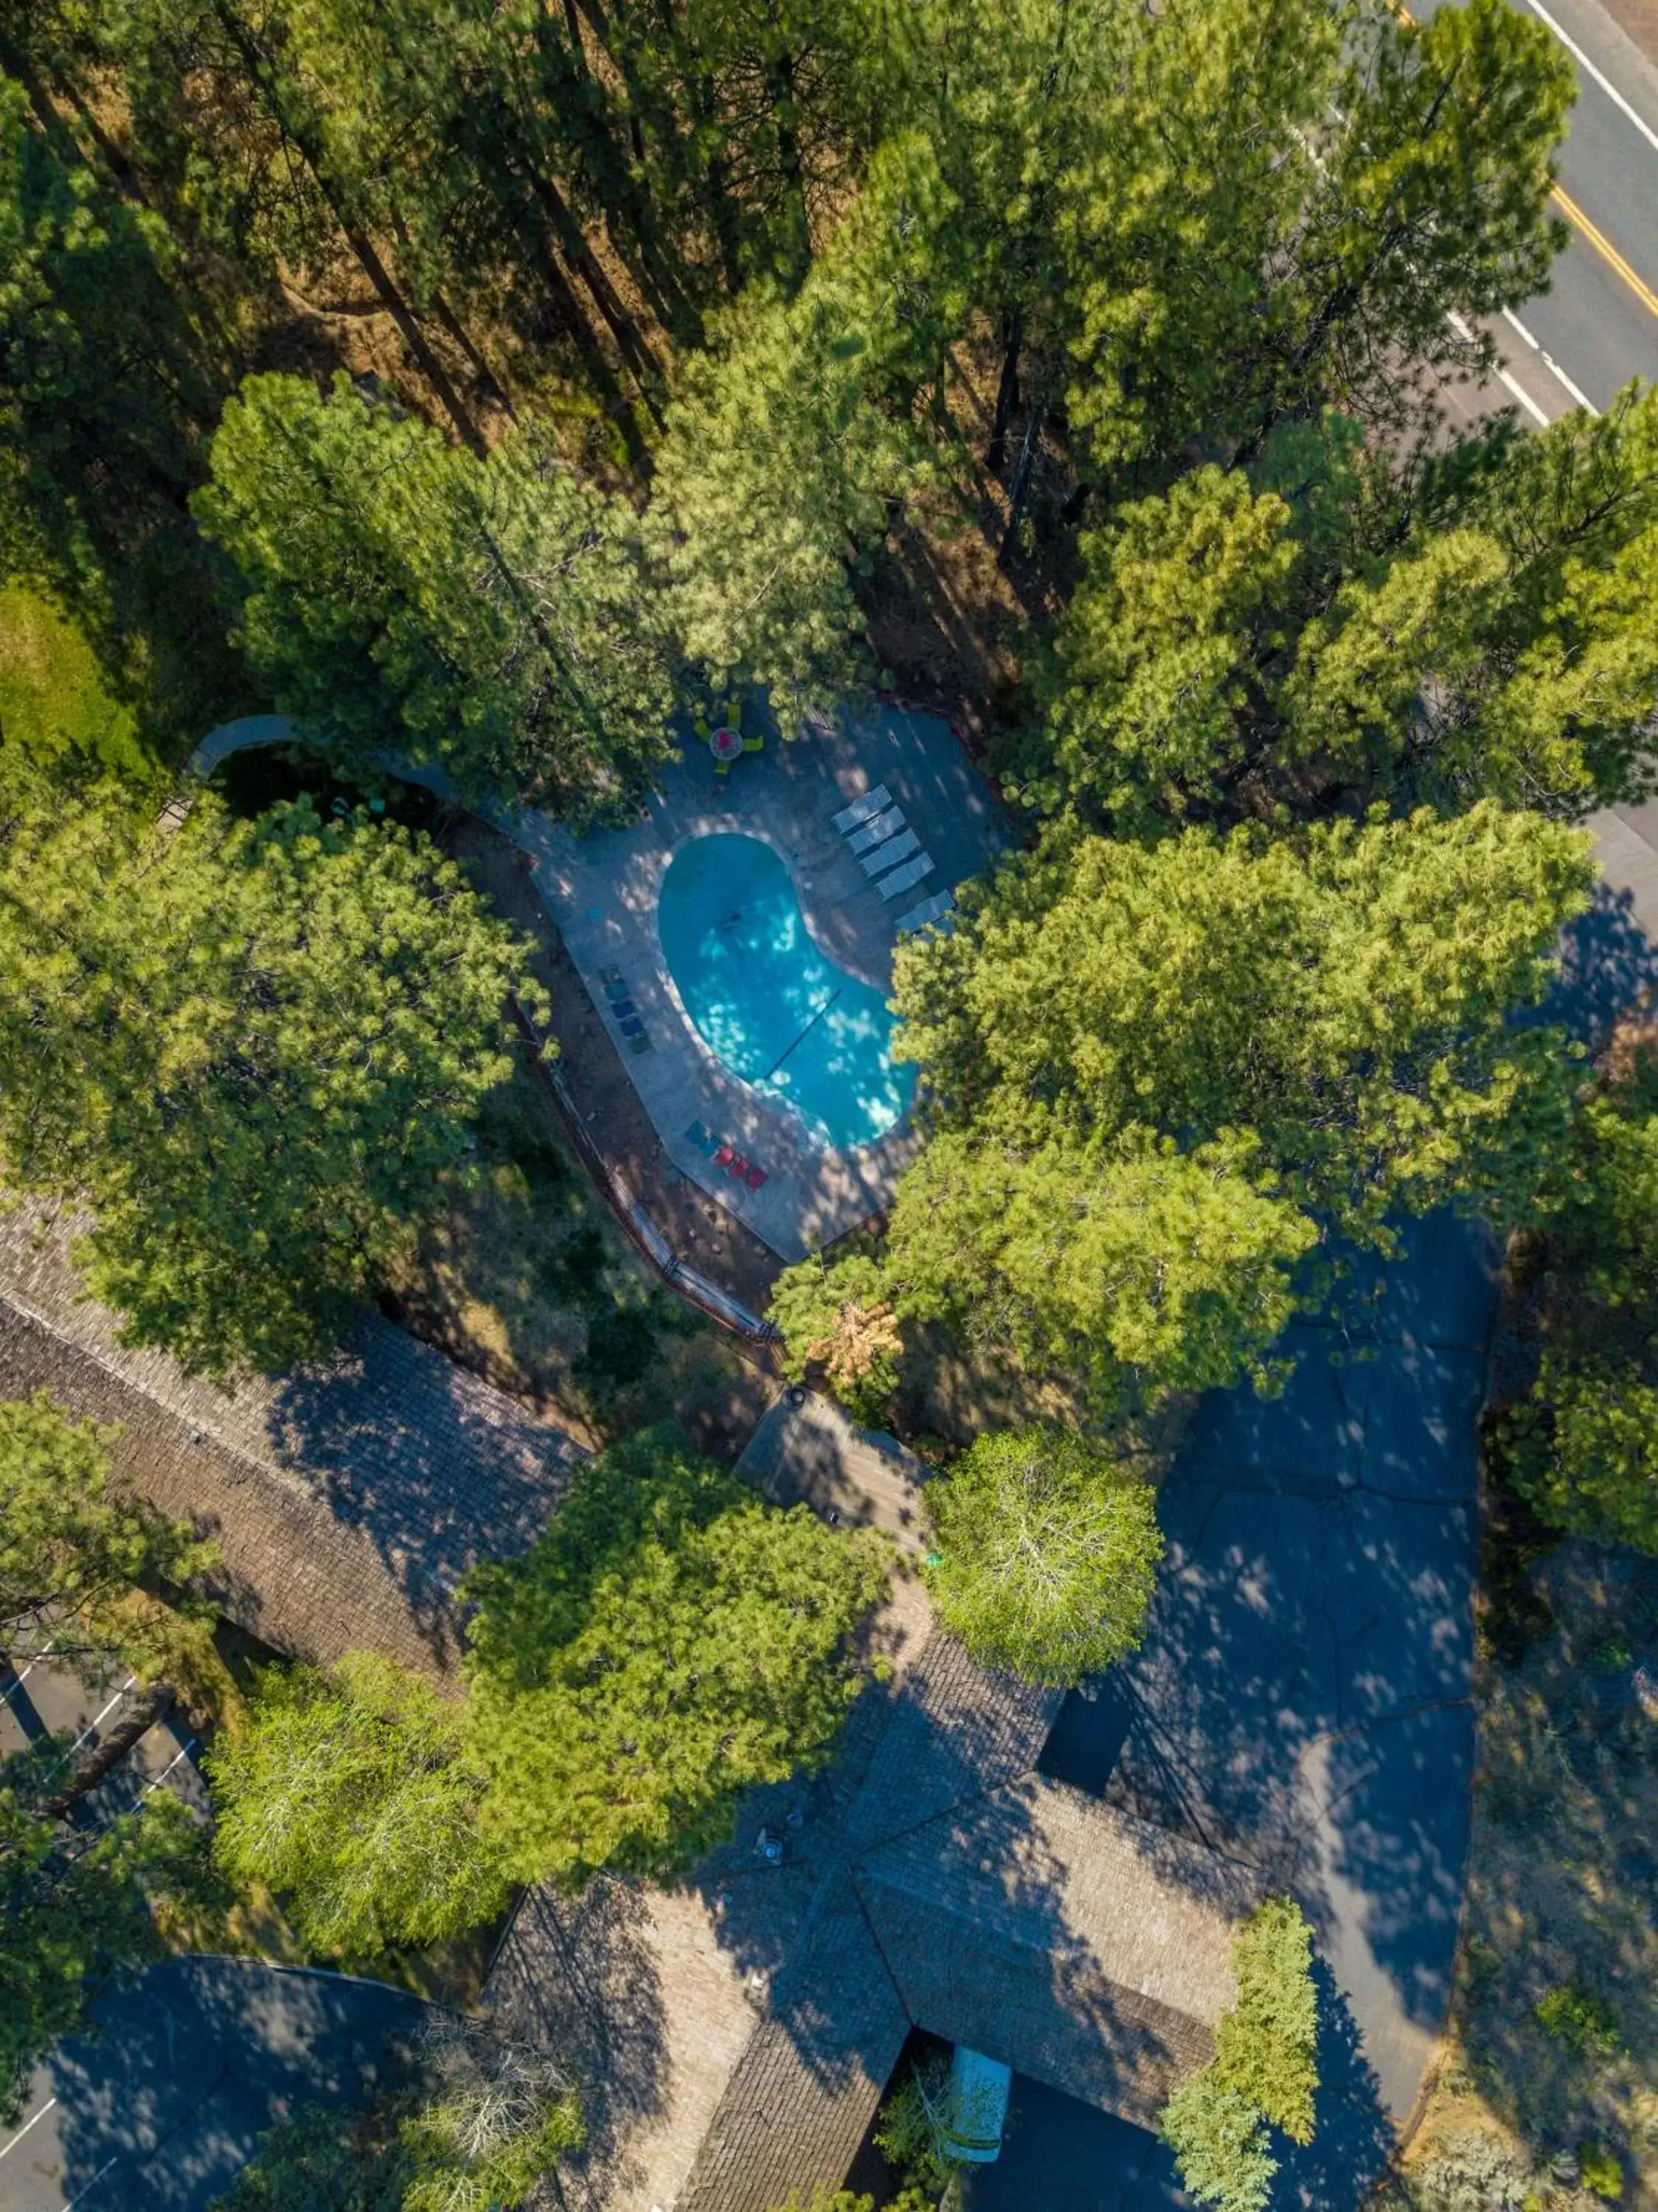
{"points": [[861, 809], [876, 830], [931, 910], [895, 849], [907, 877]]}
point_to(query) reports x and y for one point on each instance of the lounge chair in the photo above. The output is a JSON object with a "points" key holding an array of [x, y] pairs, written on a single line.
{"points": [[876, 829], [885, 856], [755, 1178], [861, 808], [931, 910], [907, 877]]}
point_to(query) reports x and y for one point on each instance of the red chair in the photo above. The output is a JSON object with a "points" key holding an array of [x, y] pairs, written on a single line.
{"points": [[754, 1178], [738, 1166], [724, 1156]]}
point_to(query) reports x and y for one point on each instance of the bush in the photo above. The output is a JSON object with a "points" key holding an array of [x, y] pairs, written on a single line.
{"points": [[1580, 2019], [1601, 2172], [1047, 1551], [836, 1320]]}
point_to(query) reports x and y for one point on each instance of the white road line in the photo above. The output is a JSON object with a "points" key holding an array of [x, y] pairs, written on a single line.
{"points": [[1581, 397], [168, 1768], [26, 2126], [1603, 81], [1509, 317], [92, 2184], [1523, 397]]}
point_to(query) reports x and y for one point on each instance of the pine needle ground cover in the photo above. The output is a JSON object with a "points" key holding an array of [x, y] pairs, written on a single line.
{"points": [[1549, 2093]]}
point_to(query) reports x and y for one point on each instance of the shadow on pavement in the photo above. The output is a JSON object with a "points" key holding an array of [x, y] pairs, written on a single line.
{"points": [[158, 2110]]}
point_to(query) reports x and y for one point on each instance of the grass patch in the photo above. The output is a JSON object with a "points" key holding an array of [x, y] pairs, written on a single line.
{"points": [[53, 696]]}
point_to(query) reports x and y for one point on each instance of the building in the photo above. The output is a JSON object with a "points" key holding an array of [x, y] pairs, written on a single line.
{"points": [[346, 1501]]}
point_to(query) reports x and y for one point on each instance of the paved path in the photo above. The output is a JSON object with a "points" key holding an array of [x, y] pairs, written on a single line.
{"points": [[160, 2111]]}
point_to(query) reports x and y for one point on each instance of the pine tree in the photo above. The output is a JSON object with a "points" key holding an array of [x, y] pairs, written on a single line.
{"points": [[490, 615], [669, 1643], [790, 445], [1156, 1074], [252, 1050]]}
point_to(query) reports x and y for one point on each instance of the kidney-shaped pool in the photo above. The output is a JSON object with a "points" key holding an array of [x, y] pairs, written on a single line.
{"points": [[776, 1011]]}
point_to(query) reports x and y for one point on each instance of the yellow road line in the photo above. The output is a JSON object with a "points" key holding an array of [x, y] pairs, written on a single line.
{"points": [[1604, 246]]}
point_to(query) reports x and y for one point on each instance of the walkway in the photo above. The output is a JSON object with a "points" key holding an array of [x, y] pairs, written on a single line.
{"points": [[601, 891]]}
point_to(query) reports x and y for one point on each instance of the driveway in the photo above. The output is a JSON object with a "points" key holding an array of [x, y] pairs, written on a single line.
{"points": [[159, 2111], [1302, 1700]]}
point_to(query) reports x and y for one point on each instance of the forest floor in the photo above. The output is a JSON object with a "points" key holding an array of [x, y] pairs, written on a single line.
{"points": [[1548, 2093], [525, 1275]]}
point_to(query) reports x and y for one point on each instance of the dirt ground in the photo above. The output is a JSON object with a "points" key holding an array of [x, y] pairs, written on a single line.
{"points": [[528, 1278], [1548, 2096]]}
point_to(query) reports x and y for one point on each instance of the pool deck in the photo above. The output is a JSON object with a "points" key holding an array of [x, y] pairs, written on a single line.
{"points": [[602, 890]]}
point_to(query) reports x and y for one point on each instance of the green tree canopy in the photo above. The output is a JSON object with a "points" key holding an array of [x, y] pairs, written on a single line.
{"points": [[1047, 1553], [75, 1917], [1581, 1446], [1264, 2071], [1333, 622], [1154, 1072], [71, 1553], [1266, 2044], [669, 1642], [790, 445], [491, 615], [351, 1793], [251, 1049]]}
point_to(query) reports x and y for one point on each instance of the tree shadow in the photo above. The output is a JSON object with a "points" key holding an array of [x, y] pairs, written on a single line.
{"points": [[190, 2065], [580, 1978], [1607, 964]]}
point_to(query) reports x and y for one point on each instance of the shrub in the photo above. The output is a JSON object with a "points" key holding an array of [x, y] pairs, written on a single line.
{"points": [[1601, 2170], [1580, 2019]]}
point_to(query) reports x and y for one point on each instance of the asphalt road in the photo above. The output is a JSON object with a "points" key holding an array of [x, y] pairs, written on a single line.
{"points": [[160, 2110], [1597, 326]]}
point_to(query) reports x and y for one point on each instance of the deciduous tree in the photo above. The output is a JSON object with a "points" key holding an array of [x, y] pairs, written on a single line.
{"points": [[76, 1912], [351, 1792], [1047, 1551]]}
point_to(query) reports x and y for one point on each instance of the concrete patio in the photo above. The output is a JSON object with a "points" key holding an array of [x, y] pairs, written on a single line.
{"points": [[602, 890]]}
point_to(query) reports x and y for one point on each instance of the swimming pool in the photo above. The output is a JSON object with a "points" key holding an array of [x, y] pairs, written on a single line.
{"points": [[774, 1008]]}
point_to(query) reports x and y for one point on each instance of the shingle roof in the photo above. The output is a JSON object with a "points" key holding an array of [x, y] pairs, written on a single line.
{"points": [[1079, 1945], [347, 1500]]}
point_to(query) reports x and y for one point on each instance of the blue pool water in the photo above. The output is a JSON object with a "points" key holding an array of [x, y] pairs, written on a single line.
{"points": [[776, 1011]]}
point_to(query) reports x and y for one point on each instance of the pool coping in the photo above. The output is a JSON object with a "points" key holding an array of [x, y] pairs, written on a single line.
{"points": [[814, 1193], [813, 1133]]}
